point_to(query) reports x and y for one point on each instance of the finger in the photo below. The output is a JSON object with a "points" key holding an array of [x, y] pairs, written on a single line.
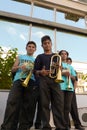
{"points": [[44, 67]]}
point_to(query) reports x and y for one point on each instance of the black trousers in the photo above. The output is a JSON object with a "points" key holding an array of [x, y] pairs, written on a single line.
{"points": [[28, 109], [74, 111], [37, 122], [50, 92], [18, 99], [67, 98]]}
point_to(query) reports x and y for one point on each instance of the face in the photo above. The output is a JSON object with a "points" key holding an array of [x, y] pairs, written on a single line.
{"points": [[30, 49], [69, 62], [47, 45], [64, 55]]}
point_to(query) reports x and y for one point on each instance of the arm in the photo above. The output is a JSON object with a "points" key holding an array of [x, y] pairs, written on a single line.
{"points": [[75, 84], [15, 66]]}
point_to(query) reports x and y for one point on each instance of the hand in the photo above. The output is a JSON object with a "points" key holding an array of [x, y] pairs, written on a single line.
{"points": [[66, 73], [23, 67], [44, 72]]}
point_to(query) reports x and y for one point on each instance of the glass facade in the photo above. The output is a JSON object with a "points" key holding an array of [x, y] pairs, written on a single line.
{"points": [[43, 13], [72, 43], [15, 7], [36, 35], [61, 18], [14, 34]]}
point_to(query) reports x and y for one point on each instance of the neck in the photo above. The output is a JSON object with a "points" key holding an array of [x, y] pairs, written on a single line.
{"points": [[48, 52], [30, 54], [64, 61]]}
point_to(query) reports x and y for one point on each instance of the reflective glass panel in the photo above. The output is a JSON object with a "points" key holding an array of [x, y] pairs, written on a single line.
{"points": [[15, 7], [43, 13], [13, 36], [36, 35], [60, 18], [74, 44]]}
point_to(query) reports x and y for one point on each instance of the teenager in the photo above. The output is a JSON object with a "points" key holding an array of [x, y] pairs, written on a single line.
{"points": [[74, 109], [50, 91], [67, 87], [20, 97]]}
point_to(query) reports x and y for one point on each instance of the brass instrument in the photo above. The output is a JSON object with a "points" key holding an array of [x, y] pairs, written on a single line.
{"points": [[29, 65], [55, 71], [25, 82], [68, 79], [69, 87]]}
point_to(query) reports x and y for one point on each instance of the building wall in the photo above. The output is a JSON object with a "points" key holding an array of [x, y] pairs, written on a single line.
{"points": [[3, 100]]}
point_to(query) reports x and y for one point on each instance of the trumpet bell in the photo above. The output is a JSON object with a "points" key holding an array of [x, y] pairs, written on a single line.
{"points": [[59, 77], [59, 81], [25, 83], [69, 87]]}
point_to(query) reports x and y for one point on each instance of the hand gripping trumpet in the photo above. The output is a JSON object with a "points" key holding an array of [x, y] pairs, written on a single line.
{"points": [[69, 87], [68, 79], [55, 71], [29, 65]]}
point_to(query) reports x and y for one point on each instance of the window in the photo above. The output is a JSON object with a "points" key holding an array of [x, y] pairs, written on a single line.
{"points": [[61, 18], [74, 44], [13, 36], [37, 33], [15, 7], [43, 13]]}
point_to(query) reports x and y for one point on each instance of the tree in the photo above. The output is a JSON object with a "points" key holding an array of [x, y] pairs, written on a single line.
{"points": [[6, 63]]}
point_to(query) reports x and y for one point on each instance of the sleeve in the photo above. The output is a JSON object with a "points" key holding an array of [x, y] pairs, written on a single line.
{"points": [[73, 72], [76, 76], [37, 63]]}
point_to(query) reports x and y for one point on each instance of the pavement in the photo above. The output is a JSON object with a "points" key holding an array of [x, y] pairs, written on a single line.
{"points": [[32, 128]]}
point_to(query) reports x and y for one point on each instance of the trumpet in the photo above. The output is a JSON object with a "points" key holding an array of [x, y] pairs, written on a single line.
{"points": [[69, 87], [55, 71], [68, 79], [29, 66], [26, 81]]}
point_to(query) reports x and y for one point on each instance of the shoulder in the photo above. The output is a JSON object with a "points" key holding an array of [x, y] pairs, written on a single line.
{"points": [[64, 64], [20, 56], [40, 55], [71, 67]]}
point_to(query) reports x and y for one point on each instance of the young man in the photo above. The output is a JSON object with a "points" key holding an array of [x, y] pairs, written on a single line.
{"points": [[50, 91], [74, 109], [68, 73], [21, 99]]}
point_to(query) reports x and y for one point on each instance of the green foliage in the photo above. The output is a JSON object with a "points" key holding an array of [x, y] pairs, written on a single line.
{"points": [[6, 63]]}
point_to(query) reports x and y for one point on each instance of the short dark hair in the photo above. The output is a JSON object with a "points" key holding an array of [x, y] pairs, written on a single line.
{"points": [[69, 59], [64, 51], [44, 38], [31, 42]]}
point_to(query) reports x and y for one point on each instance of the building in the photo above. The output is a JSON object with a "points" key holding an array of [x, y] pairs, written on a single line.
{"points": [[81, 69], [64, 20]]}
